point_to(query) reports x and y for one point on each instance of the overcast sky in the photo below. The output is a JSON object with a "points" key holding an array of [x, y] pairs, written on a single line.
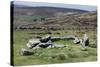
{"points": [[34, 4]]}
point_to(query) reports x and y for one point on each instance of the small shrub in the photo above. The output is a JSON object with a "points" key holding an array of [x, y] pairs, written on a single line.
{"points": [[84, 49], [43, 19], [93, 44], [54, 56], [58, 57], [35, 20]]}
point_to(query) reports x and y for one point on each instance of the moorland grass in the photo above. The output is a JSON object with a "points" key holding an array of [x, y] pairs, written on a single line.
{"points": [[72, 53]]}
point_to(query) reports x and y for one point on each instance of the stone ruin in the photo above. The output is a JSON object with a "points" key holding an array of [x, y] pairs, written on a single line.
{"points": [[46, 42]]}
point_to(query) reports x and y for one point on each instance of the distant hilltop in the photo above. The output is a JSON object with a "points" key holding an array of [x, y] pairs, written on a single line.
{"points": [[59, 5], [43, 11]]}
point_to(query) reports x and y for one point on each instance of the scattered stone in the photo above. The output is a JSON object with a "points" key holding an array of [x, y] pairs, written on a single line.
{"points": [[25, 52], [32, 43]]}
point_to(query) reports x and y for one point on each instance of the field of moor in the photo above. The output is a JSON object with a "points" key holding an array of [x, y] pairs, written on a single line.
{"points": [[59, 23]]}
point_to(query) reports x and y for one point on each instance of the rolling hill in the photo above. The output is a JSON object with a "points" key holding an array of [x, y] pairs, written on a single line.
{"points": [[43, 11], [54, 18]]}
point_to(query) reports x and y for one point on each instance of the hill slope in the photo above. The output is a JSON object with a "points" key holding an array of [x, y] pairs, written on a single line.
{"points": [[43, 11], [53, 18]]}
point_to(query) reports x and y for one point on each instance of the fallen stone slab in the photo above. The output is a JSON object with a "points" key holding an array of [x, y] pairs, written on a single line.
{"points": [[45, 45], [59, 46], [63, 38]]}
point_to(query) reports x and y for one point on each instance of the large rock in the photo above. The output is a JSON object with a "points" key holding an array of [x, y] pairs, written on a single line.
{"points": [[45, 45], [32, 43], [70, 37], [36, 47], [25, 52], [45, 39], [55, 38], [76, 40]]}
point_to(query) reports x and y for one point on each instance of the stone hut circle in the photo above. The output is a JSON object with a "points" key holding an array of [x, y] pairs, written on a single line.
{"points": [[46, 42]]}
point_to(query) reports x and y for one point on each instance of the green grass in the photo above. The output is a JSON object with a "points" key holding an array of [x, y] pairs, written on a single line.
{"points": [[73, 53]]}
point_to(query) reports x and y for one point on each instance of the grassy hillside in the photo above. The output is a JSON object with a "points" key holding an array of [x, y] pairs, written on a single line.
{"points": [[86, 20], [29, 15], [43, 11], [73, 53]]}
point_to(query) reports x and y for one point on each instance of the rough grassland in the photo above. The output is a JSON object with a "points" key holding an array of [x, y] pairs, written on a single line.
{"points": [[73, 53]]}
